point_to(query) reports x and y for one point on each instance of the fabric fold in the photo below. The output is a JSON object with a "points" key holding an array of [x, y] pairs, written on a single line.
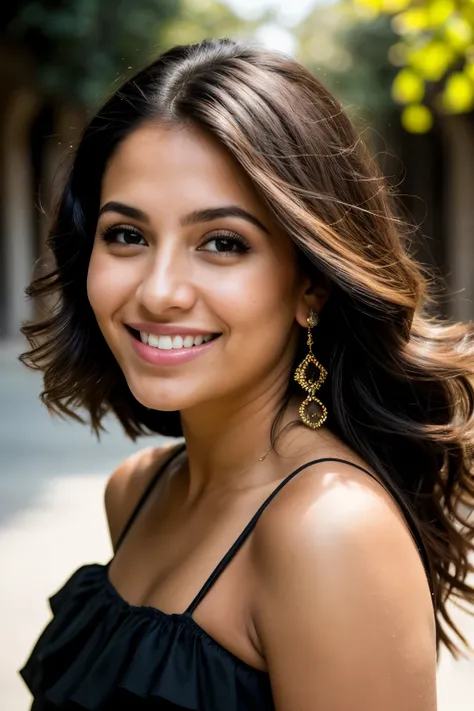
{"points": [[97, 645]]}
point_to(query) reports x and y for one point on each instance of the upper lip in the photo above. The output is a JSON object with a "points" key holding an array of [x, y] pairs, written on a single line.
{"points": [[168, 329]]}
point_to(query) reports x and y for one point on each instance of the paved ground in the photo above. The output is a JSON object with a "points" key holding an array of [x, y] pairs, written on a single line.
{"points": [[52, 476]]}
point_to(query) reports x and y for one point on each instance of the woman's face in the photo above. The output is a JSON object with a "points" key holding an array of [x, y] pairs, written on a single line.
{"points": [[194, 289]]}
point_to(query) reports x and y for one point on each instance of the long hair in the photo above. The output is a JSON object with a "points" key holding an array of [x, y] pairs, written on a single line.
{"points": [[399, 389]]}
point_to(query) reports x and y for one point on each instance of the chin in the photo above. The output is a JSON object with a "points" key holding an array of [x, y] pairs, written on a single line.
{"points": [[157, 398]]}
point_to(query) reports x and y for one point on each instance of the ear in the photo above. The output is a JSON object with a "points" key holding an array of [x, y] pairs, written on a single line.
{"points": [[313, 297]]}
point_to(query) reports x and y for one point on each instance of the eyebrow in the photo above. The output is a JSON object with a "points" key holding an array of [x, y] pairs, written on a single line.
{"points": [[192, 218]]}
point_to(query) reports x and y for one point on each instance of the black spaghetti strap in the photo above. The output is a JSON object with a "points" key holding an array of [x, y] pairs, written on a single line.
{"points": [[252, 523], [146, 493]]}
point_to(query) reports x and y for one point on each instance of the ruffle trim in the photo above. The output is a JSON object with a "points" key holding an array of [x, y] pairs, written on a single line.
{"points": [[97, 644]]}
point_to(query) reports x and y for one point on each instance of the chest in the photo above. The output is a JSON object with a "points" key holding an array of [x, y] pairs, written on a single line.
{"points": [[172, 552]]}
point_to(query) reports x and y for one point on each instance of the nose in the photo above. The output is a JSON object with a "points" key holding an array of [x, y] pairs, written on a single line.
{"points": [[167, 284]]}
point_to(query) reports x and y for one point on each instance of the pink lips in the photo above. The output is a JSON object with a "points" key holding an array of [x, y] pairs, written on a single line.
{"points": [[176, 356]]}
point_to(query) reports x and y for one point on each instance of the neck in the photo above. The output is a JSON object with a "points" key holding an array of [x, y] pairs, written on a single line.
{"points": [[225, 444]]}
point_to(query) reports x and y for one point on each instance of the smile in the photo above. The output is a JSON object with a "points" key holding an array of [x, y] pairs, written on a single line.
{"points": [[161, 350], [167, 343]]}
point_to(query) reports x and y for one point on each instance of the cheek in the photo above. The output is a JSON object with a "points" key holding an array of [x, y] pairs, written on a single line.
{"points": [[259, 303], [107, 285], [267, 281]]}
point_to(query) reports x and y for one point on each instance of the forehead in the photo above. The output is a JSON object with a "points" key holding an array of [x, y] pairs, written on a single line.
{"points": [[157, 164]]}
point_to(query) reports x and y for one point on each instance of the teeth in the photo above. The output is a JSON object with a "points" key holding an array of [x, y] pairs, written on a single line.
{"points": [[167, 343], [164, 343]]}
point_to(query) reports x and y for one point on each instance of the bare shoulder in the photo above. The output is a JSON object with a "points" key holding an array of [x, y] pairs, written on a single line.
{"points": [[127, 483], [337, 515], [327, 497], [342, 599]]}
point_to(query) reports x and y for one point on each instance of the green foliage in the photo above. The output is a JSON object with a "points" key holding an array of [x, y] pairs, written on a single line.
{"points": [[350, 58], [435, 53], [81, 47]]}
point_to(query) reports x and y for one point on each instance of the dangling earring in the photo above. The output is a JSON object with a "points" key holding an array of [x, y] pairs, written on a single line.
{"points": [[312, 411]]}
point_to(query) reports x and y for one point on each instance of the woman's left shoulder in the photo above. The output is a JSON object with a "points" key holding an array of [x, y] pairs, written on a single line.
{"points": [[342, 608], [329, 497], [334, 526]]}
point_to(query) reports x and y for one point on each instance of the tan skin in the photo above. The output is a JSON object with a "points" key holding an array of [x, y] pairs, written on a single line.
{"points": [[328, 594]]}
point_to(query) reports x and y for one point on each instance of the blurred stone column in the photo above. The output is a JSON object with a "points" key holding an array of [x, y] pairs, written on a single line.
{"points": [[19, 206], [459, 136]]}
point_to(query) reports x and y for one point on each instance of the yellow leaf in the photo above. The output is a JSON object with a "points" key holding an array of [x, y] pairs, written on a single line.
{"points": [[417, 118], [459, 33], [458, 94], [433, 60], [466, 11], [393, 6], [412, 20], [439, 11], [374, 5], [408, 87]]}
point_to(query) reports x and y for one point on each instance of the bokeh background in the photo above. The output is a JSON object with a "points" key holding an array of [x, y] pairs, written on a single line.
{"points": [[404, 69]]}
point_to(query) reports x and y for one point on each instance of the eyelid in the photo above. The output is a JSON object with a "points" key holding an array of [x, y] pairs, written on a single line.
{"points": [[121, 226], [242, 245], [226, 234], [114, 229]]}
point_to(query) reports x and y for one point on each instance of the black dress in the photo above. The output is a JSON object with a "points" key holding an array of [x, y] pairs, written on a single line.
{"points": [[102, 654]]}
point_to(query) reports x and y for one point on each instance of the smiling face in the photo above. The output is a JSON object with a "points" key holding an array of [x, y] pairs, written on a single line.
{"points": [[194, 289]]}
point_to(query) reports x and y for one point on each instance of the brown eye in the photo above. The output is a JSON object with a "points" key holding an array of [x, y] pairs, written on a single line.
{"points": [[123, 235], [226, 244]]}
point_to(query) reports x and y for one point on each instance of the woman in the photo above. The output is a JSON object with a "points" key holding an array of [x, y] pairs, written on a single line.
{"points": [[297, 551]]}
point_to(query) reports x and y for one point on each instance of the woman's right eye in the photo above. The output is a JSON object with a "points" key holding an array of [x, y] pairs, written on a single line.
{"points": [[122, 235]]}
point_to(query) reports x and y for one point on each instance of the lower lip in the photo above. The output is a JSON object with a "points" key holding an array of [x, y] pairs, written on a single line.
{"points": [[176, 356]]}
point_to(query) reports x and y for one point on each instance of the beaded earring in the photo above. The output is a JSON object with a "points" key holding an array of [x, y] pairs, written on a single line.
{"points": [[312, 411]]}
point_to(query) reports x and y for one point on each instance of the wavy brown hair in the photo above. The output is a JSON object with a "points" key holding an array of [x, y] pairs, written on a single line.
{"points": [[399, 389]]}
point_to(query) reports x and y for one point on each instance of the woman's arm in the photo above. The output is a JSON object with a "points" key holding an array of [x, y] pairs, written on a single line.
{"points": [[344, 612]]}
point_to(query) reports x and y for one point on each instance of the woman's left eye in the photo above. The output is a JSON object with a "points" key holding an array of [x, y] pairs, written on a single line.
{"points": [[225, 244]]}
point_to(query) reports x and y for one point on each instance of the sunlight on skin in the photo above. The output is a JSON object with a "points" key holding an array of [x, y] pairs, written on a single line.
{"points": [[233, 277]]}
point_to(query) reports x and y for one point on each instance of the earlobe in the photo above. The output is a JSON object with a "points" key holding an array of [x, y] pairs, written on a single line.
{"points": [[303, 313], [312, 300]]}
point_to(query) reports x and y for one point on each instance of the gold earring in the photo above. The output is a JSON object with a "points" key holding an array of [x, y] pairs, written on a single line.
{"points": [[312, 411]]}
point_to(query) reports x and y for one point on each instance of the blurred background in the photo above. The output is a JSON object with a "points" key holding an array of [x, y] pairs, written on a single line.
{"points": [[404, 70]]}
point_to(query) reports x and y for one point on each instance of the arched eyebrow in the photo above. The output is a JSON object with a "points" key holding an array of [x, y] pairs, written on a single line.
{"points": [[192, 218], [125, 210], [215, 213]]}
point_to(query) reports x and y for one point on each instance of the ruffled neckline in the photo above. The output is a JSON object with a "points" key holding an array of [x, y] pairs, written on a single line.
{"points": [[98, 645], [180, 618]]}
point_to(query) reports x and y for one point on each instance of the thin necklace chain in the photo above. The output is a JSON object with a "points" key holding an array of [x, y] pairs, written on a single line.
{"points": [[265, 454], [260, 459]]}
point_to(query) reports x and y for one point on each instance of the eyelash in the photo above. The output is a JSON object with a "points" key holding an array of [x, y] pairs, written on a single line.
{"points": [[233, 238], [109, 236]]}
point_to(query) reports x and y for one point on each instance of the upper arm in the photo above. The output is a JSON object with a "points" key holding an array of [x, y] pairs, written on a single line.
{"points": [[344, 612], [127, 484]]}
